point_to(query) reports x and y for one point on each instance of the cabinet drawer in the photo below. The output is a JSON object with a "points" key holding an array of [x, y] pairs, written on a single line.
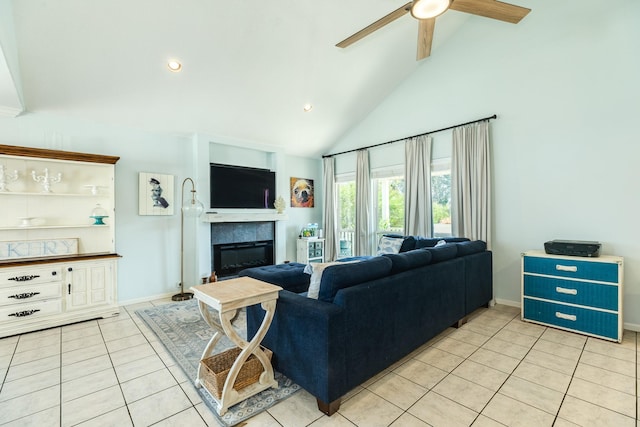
{"points": [[571, 291], [590, 270], [16, 277], [30, 310], [574, 318], [30, 292]]}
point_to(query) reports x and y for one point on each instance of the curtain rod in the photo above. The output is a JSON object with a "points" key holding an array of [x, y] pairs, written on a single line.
{"points": [[414, 136]]}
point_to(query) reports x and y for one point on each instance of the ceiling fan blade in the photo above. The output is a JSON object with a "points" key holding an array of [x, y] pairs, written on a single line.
{"points": [[491, 9], [375, 26], [425, 37]]}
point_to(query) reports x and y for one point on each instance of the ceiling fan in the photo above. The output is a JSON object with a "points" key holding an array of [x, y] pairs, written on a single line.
{"points": [[426, 11]]}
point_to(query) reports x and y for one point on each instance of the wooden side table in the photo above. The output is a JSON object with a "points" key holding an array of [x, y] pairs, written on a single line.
{"points": [[226, 297]]}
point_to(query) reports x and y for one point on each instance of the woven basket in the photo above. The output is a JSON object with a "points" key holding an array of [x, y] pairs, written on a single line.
{"points": [[217, 367]]}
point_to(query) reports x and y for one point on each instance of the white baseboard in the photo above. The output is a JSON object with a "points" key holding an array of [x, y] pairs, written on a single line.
{"points": [[507, 302], [146, 299], [631, 327]]}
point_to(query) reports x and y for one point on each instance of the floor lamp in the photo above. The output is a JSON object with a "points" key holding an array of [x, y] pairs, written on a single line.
{"points": [[192, 208]]}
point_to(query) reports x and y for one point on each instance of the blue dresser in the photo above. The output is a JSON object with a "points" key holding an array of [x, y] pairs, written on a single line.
{"points": [[577, 294]]}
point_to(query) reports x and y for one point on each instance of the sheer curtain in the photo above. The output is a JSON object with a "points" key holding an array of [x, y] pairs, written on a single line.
{"points": [[471, 182], [417, 178], [362, 244], [330, 209]]}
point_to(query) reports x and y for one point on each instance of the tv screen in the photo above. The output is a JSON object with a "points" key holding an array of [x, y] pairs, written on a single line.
{"points": [[242, 187]]}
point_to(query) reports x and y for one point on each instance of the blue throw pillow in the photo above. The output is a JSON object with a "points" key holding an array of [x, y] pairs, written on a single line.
{"points": [[443, 252], [468, 248], [344, 275], [408, 260]]}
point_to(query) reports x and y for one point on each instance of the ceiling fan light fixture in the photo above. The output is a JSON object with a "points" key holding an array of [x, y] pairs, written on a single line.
{"points": [[426, 9]]}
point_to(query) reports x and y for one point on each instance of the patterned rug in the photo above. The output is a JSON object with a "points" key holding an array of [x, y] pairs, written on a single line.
{"points": [[184, 333]]}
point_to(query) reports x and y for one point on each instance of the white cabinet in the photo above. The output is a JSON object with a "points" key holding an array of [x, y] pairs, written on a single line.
{"points": [[310, 250], [89, 284], [573, 293], [57, 263]]}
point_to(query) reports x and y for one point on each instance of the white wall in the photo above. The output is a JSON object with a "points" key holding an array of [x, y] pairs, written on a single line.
{"points": [[564, 144]]}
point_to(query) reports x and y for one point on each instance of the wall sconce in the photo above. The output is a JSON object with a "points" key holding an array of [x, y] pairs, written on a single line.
{"points": [[191, 208]]}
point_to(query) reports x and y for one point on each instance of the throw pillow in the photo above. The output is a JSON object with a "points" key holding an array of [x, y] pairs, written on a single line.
{"points": [[316, 269], [389, 245]]}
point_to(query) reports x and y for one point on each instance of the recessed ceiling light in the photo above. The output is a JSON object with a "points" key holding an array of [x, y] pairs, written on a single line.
{"points": [[174, 66], [307, 107]]}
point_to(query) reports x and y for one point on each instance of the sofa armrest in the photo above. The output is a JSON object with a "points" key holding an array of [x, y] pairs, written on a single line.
{"points": [[307, 338]]}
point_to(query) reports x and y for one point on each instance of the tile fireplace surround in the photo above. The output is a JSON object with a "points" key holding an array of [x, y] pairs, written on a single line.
{"points": [[236, 233]]}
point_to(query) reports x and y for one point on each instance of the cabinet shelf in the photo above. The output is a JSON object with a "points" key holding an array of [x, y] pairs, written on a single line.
{"points": [[35, 194], [42, 227]]}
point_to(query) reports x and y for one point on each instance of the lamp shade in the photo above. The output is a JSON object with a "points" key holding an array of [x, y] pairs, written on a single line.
{"points": [[192, 207], [425, 9]]}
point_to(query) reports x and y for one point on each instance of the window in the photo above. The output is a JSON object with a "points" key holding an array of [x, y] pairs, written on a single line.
{"points": [[389, 190], [441, 197], [346, 188]]}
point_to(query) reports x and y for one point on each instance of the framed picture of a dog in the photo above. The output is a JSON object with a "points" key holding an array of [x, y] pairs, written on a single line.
{"points": [[301, 193]]}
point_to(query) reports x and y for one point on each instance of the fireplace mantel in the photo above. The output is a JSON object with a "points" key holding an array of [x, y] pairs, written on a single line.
{"points": [[244, 216]]}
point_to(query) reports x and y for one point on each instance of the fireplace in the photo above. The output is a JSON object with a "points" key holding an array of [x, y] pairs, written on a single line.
{"points": [[229, 259], [236, 246]]}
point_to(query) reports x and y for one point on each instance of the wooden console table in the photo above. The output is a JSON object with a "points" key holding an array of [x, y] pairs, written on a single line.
{"points": [[226, 297]]}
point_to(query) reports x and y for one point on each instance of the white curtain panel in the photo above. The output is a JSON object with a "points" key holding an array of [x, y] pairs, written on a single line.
{"points": [[417, 180], [471, 182], [363, 235], [330, 209]]}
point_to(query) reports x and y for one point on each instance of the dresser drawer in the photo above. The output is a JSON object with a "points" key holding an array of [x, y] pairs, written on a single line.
{"points": [[30, 310], [577, 319], [31, 292], [14, 276], [576, 269], [571, 291]]}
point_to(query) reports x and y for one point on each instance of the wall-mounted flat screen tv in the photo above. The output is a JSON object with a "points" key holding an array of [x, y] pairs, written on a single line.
{"points": [[242, 187]]}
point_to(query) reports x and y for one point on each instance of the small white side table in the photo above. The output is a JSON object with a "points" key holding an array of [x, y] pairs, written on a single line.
{"points": [[226, 297]]}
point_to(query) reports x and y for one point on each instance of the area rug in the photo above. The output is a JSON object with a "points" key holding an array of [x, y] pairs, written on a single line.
{"points": [[181, 329]]}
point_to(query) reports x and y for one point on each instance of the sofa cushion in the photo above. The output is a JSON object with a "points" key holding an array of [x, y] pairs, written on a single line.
{"points": [[289, 276], [315, 269], [408, 244], [344, 275], [407, 260], [468, 248], [443, 252], [430, 242]]}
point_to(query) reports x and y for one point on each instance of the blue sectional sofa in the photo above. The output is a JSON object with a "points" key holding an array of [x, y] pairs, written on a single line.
{"points": [[369, 314]]}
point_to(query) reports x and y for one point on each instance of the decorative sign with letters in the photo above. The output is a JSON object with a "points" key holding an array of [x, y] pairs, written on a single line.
{"points": [[38, 248]]}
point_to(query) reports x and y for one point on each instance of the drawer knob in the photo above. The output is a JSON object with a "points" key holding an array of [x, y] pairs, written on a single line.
{"points": [[24, 295], [24, 313], [570, 268], [566, 291], [564, 316], [24, 278]]}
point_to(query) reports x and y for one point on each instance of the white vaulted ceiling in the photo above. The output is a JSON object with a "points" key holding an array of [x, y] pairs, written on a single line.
{"points": [[248, 66]]}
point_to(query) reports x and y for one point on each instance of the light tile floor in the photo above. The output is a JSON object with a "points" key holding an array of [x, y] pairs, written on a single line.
{"points": [[495, 370]]}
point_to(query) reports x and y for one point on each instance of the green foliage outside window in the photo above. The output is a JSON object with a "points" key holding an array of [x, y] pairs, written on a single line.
{"points": [[347, 204], [395, 219], [441, 198]]}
